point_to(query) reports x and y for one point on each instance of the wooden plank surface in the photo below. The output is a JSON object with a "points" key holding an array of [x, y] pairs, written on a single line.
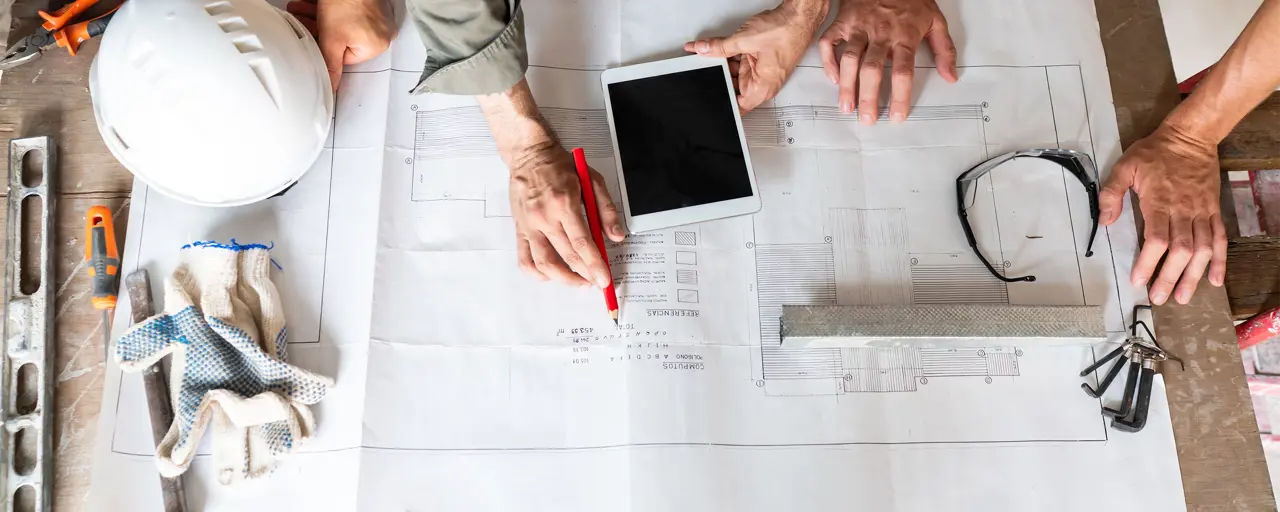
{"points": [[1255, 143], [1219, 450], [50, 97], [1253, 276]]}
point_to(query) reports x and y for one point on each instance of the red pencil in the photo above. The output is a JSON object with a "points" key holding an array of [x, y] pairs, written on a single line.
{"points": [[597, 231]]}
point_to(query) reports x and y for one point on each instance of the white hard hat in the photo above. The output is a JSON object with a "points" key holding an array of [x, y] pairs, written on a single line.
{"points": [[212, 102]]}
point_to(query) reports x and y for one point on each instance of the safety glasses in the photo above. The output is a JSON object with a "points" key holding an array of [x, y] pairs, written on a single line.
{"points": [[1077, 163]]}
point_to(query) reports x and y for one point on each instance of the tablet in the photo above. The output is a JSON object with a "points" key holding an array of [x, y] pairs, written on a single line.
{"points": [[678, 143]]}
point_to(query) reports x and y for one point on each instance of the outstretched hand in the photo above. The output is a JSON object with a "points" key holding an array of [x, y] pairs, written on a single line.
{"points": [[1177, 182], [349, 31], [767, 49], [867, 33]]}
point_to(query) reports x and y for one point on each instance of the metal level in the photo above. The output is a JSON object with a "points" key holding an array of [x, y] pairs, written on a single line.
{"points": [[26, 372], [942, 325]]}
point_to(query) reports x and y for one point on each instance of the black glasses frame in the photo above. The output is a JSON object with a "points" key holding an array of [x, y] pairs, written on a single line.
{"points": [[1078, 164]]}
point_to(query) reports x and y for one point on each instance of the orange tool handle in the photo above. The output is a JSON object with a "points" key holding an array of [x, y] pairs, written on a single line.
{"points": [[61, 17], [103, 257], [71, 37]]}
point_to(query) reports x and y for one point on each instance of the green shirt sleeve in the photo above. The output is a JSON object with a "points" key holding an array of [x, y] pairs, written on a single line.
{"points": [[473, 46]]}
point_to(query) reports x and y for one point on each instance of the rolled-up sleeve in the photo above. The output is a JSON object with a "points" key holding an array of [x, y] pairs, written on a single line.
{"points": [[473, 46]]}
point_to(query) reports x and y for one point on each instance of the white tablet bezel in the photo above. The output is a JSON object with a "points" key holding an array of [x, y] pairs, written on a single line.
{"points": [[693, 214]]}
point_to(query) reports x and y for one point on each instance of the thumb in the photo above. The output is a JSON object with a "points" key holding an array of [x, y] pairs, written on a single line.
{"points": [[1111, 198], [145, 343], [610, 218], [333, 54], [723, 47]]}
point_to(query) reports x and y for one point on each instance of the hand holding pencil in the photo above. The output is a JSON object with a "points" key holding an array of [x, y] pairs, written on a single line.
{"points": [[593, 221], [553, 239]]}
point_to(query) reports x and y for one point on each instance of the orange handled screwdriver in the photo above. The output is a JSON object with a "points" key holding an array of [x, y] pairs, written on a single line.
{"points": [[104, 264]]}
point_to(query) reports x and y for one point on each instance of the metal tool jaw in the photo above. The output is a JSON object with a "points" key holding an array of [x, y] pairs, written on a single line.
{"points": [[26, 50], [27, 359]]}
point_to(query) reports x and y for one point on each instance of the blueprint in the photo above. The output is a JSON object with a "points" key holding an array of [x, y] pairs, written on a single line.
{"points": [[464, 385]]}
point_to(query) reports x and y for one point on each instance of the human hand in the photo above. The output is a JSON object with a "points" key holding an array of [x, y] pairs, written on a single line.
{"points": [[1178, 185], [348, 31], [553, 240], [871, 31], [769, 44]]}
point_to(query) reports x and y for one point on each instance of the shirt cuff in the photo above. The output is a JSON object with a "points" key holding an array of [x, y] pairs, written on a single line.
{"points": [[494, 68]]}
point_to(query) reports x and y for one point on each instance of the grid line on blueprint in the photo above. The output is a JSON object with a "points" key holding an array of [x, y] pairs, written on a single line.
{"points": [[801, 363], [881, 370], [871, 246], [952, 363], [767, 126], [903, 369], [800, 274], [1003, 364], [956, 284], [461, 132], [968, 362]]}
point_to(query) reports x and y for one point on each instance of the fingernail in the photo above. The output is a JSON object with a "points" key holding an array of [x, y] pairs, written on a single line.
{"points": [[1184, 297], [1158, 298], [867, 118], [897, 117], [832, 78], [703, 46], [846, 106], [1106, 213], [1215, 280], [602, 280]]}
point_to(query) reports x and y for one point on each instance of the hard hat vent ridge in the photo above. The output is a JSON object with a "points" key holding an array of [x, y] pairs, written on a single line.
{"points": [[234, 24], [266, 74], [218, 8]]}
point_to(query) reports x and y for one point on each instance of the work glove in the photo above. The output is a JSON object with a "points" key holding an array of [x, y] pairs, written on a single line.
{"points": [[224, 325]]}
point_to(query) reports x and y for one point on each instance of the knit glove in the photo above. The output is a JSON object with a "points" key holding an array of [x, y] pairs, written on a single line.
{"points": [[224, 325]]}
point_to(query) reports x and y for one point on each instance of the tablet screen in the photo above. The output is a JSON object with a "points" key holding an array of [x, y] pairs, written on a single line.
{"points": [[678, 141]]}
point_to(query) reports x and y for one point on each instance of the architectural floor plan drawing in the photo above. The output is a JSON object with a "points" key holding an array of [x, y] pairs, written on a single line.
{"points": [[894, 370], [463, 385], [845, 223]]}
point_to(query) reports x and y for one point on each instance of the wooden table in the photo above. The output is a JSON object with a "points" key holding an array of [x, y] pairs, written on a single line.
{"points": [[1218, 444]]}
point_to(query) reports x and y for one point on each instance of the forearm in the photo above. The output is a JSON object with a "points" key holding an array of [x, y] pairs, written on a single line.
{"points": [[812, 11], [1245, 76], [518, 129]]}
